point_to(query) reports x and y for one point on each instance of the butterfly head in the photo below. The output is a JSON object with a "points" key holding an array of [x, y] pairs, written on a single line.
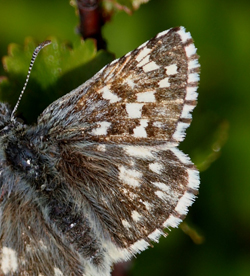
{"points": [[5, 121]]}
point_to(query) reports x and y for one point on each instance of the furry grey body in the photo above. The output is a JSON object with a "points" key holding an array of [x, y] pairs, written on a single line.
{"points": [[40, 209]]}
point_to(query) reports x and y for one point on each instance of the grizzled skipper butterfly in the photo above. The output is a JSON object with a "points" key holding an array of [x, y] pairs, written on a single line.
{"points": [[100, 175]]}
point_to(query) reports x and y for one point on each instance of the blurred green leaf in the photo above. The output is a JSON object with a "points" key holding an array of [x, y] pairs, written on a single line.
{"points": [[192, 233], [213, 146], [111, 6], [59, 68]]}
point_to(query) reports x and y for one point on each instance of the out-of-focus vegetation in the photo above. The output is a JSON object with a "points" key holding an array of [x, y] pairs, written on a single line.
{"points": [[217, 141]]}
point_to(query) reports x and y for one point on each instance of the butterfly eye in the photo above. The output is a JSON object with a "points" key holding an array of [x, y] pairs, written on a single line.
{"points": [[5, 130]]}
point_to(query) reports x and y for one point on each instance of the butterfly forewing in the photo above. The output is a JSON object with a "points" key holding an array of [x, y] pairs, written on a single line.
{"points": [[145, 96]]}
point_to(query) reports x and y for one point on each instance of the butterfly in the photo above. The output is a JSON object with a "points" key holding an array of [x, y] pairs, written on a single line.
{"points": [[99, 177]]}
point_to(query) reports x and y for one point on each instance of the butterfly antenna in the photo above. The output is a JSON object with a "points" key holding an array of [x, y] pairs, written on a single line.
{"points": [[35, 53]]}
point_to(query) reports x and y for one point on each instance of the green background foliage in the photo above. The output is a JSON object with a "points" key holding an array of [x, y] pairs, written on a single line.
{"points": [[218, 139]]}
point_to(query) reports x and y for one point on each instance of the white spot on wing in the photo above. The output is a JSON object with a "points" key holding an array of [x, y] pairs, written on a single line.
{"points": [[126, 223], [157, 124], [129, 82], [146, 97], [57, 271], [139, 246], [116, 253], [134, 109], [130, 177], [162, 33], [9, 260], [166, 193], [143, 61], [147, 205], [186, 200], [192, 64], [102, 129], [140, 131], [101, 148], [181, 156], [108, 95], [28, 248], [180, 131], [193, 179], [136, 216], [150, 67], [190, 50], [172, 221], [42, 245], [171, 69], [154, 236], [193, 77], [186, 112], [139, 151], [143, 53], [185, 36], [164, 83], [191, 94], [162, 186], [160, 194], [156, 167]]}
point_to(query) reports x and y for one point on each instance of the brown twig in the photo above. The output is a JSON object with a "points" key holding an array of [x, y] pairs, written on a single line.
{"points": [[91, 21]]}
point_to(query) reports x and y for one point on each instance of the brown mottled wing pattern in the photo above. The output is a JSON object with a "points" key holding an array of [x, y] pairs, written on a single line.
{"points": [[145, 96], [118, 135]]}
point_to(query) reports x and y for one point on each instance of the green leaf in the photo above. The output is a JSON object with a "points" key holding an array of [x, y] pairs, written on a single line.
{"points": [[59, 68], [111, 6]]}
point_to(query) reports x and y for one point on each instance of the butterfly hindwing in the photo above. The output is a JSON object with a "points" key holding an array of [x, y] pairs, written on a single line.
{"points": [[135, 191]]}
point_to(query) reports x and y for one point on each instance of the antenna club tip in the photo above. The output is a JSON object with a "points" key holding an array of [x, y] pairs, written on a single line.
{"points": [[41, 45], [45, 43]]}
